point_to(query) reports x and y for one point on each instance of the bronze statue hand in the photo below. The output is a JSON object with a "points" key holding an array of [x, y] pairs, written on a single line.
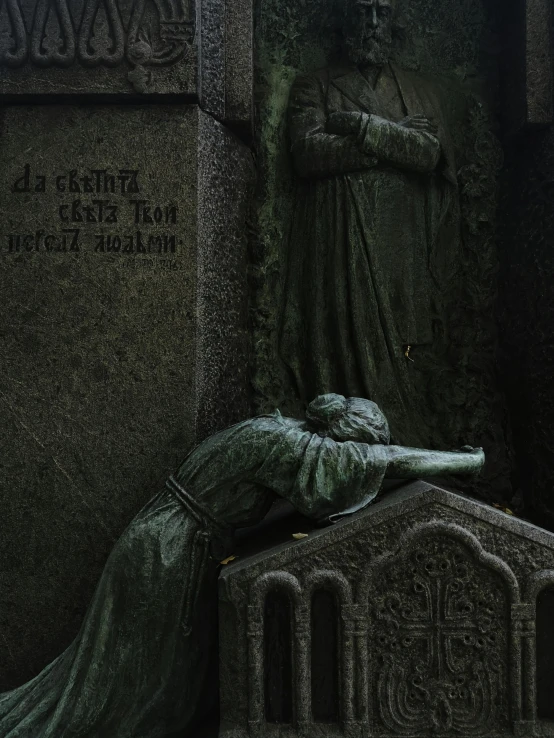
{"points": [[409, 463], [344, 124], [477, 451], [419, 123], [477, 456]]}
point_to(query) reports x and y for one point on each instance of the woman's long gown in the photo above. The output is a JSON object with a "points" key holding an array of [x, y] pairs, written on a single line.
{"points": [[140, 666]]}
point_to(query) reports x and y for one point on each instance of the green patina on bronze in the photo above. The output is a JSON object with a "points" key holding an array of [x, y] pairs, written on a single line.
{"points": [[144, 662]]}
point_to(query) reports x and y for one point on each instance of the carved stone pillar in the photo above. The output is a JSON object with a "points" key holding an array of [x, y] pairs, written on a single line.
{"points": [[123, 199], [302, 671], [539, 62], [355, 665], [255, 635], [527, 75]]}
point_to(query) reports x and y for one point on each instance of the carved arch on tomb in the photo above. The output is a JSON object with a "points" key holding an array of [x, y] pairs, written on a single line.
{"points": [[350, 618], [529, 629], [420, 532], [280, 580], [288, 584], [442, 652], [336, 583], [536, 583], [331, 579]]}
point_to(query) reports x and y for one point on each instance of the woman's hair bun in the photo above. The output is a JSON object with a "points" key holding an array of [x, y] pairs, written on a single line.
{"points": [[348, 419], [326, 409]]}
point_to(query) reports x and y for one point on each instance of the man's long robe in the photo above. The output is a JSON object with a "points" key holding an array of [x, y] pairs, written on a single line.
{"points": [[372, 245]]}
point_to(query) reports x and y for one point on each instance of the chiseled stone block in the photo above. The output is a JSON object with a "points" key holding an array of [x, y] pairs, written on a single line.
{"points": [[98, 46], [123, 338], [539, 60], [441, 609], [186, 48]]}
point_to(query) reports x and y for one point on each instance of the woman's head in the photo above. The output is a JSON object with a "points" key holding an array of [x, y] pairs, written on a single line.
{"points": [[352, 419]]}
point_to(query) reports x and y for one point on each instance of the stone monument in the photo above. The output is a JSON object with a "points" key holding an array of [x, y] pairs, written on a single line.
{"points": [[376, 235], [393, 300], [427, 614], [145, 660], [123, 195]]}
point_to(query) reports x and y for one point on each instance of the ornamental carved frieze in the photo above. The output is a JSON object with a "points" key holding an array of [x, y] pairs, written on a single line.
{"points": [[142, 35], [439, 651]]}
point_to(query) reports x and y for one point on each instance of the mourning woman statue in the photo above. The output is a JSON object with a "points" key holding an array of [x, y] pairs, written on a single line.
{"points": [[142, 663]]}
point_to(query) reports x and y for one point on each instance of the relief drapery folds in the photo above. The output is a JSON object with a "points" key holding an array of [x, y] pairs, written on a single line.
{"points": [[439, 47], [375, 238]]}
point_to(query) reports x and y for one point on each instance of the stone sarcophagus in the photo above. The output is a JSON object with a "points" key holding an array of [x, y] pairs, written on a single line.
{"points": [[427, 615]]}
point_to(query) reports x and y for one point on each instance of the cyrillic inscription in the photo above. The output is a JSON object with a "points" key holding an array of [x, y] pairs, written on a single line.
{"points": [[93, 197]]}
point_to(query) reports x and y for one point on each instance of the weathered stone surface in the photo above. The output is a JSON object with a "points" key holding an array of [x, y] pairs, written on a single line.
{"points": [[436, 602], [538, 62], [130, 47], [226, 53], [455, 376], [224, 189], [527, 65], [86, 46], [123, 338], [239, 61]]}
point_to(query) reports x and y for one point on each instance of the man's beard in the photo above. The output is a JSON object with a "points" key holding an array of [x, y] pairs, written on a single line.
{"points": [[368, 46]]}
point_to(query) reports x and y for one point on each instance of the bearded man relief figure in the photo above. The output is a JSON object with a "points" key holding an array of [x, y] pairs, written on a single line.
{"points": [[376, 229]]}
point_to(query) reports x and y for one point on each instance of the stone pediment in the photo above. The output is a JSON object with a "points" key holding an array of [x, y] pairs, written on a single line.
{"points": [[416, 617]]}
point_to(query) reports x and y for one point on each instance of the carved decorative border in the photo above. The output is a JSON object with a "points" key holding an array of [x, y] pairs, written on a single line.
{"points": [[78, 43], [279, 581], [434, 528], [354, 632]]}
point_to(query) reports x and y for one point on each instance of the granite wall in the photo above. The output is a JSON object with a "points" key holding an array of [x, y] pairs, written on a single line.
{"points": [[123, 259]]}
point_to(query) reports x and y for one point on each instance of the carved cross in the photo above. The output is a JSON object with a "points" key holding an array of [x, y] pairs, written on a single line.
{"points": [[439, 624]]}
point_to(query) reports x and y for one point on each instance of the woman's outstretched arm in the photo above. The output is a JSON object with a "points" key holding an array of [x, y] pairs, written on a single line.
{"points": [[407, 463]]}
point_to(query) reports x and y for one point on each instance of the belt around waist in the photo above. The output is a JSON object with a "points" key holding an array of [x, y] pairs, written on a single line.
{"points": [[221, 535]]}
